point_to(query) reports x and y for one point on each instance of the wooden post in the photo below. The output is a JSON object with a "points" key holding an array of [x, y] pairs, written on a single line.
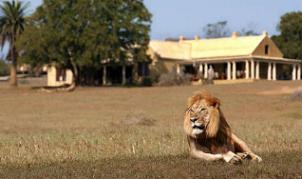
{"points": [[178, 69], [234, 70], [200, 68], [294, 73], [252, 69], [274, 71], [299, 72], [124, 80], [247, 69], [269, 71], [229, 77], [205, 70], [257, 70], [104, 75]]}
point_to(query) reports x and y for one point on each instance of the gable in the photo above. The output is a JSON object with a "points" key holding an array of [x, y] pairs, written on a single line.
{"points": [[272, 51]]}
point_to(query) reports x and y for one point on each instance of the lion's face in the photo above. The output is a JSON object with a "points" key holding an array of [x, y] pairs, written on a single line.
{"points": [[199, 117], [202, 117]]}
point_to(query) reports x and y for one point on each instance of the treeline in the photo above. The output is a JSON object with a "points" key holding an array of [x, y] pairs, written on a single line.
{"points": [[83, 34], [77, 34]]}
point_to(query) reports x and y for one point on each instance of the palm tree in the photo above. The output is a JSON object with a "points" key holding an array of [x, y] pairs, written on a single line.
{"points": [[12, 21]]}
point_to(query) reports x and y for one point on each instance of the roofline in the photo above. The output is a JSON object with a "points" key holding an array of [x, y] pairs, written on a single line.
{"points": [[241, 58]]}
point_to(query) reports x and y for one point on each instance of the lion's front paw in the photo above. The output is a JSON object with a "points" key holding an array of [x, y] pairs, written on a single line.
{"points": [[256, 158], [232, 158]]}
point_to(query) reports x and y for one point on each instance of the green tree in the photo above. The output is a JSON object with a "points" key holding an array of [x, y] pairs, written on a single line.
{"points": [[247, 32], [12, 21], [78, 34], [290, 38], [217, 30]]}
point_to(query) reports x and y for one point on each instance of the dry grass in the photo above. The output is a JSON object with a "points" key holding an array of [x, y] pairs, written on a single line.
{"points": [[137, 132]]}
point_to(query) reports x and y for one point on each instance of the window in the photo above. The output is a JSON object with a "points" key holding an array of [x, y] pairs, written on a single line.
{"points": [[266, 50]]}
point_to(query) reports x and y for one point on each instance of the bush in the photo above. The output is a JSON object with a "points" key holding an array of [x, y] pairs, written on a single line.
{"points": [[174, 79], [147, 81], [4, 69]]}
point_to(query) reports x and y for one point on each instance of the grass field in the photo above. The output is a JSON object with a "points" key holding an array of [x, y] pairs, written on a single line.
{"points": [[138, 133]]}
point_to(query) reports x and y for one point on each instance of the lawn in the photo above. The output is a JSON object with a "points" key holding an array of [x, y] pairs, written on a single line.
{"points": [[113, 132]]}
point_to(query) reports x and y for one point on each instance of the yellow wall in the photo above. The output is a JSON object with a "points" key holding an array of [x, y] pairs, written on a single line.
{"points": [[51, 77], [273, 49], [161, 65]]}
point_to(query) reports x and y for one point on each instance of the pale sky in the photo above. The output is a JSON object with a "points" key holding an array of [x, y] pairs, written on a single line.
{"points": [[172, 18]]}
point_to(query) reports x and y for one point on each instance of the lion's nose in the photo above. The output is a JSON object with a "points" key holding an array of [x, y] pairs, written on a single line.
{"points": [[193, 119]]}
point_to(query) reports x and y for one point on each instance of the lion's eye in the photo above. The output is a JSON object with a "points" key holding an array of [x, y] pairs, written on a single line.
{"points": [[202, 109]]}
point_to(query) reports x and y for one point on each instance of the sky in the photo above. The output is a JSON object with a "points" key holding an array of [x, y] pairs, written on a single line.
{"points": [[173, 18]]}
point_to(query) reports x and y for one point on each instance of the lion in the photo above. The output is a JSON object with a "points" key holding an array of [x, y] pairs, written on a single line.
{"points": [[209, 135]]}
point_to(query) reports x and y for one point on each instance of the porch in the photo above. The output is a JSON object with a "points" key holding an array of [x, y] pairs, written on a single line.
{"points": [[253, 68]]}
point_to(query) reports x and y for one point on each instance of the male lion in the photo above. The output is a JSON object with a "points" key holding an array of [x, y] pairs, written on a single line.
{"points": [[209, 135]]}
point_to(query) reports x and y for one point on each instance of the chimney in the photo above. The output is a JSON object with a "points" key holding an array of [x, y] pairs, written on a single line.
{"points": [[181, 38], [197, 37], [265, 33], [234, 35]]}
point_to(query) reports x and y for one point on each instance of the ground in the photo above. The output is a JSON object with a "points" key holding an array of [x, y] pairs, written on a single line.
{"points": [[116, 132]]}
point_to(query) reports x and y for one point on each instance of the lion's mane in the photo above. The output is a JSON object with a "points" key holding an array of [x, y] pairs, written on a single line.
{"points": [[218, 128]]}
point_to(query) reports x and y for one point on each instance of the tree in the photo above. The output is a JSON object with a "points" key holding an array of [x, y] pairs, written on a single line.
{"points": [[79, 34], [217, 30], [247, 32], [12, 21], [290, 39]]}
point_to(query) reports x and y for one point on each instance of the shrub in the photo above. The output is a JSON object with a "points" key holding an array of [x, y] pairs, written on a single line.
{"points": [[147, 81], [174, 79]]}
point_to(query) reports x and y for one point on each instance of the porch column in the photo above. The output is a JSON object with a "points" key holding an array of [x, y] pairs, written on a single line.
{"points": [[257, 70], [205, 70], [274, 71], [294, 73], [229, 77], [247, 69], [234, 70], [104, 75], [252, 69], [200, 68], [269, 71], [124, 75], [299, 72], [178, 69]]}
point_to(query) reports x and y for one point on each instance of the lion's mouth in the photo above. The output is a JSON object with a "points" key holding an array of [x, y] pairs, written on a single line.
{"points": [[198, 126], [201, 127]]}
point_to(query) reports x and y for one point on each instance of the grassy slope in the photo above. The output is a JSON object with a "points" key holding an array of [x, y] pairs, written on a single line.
{"points": [[137, 132]]}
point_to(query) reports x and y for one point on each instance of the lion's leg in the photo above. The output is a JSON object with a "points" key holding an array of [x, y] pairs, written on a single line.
{"points": [[241, 146], [229, 157], [199, 153], [205, 156]]}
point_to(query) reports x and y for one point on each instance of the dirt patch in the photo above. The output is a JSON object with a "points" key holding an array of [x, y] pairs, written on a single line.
{"points": [[138, 118], [281, 90], [296, 96]]}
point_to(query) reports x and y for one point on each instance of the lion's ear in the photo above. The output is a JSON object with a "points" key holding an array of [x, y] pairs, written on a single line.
{"points": [[215, 102]]}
